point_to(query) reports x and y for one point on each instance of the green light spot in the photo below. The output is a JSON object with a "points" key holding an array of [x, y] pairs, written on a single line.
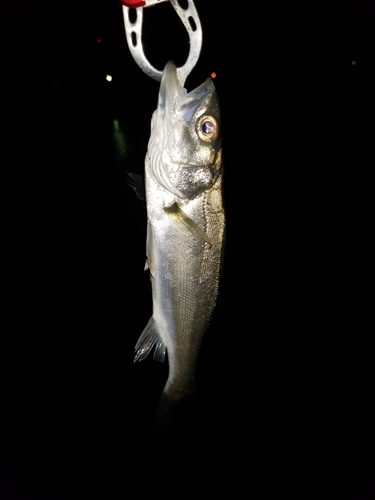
{"points": [[354, 62], [108, 78], [119, 140]]}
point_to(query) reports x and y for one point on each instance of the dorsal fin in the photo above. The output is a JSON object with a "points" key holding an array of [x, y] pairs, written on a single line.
{"points": [[137, 183], [149, 338]]}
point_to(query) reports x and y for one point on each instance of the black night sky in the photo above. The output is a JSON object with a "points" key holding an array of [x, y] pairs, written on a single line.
{"points": [[285, 378]]}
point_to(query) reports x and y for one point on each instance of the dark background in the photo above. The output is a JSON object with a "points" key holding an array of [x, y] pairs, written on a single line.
{"points": [[285, 378]]}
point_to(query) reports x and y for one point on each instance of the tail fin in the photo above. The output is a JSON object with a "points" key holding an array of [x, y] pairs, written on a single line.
{"points": [[175, 421]]}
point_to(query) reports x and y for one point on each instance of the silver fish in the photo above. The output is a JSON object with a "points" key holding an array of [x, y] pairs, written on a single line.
{"points": [[186, 226]]}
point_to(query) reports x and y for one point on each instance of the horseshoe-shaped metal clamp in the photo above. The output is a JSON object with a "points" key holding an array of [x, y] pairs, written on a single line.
{"points": [[133, 30]]}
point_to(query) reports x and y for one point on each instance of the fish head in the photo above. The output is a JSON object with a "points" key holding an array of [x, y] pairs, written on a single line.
{"points": [[185, 152]]}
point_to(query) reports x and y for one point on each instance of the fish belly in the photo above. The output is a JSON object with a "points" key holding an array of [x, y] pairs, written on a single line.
{"points": [[185, 278]]}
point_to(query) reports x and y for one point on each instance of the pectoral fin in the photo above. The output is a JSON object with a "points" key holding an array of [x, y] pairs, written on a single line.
{"points": [[186, 223]]}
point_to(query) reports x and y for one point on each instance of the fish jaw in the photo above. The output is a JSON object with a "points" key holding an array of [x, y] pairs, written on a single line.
{"points": [[181, 161]]}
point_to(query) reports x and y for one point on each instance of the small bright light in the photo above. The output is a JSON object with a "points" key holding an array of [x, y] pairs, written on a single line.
{"points": [[108, 78], [213, 74], [354, 62]]}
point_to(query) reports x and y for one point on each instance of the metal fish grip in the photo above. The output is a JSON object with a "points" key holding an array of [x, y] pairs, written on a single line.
{"points": [[133, 30]]}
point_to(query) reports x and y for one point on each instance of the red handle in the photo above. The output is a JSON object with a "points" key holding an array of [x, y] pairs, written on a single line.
{"points": [[133, 3], [140, 3]]}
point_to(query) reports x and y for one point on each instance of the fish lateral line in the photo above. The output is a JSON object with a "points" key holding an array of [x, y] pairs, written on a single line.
{"points": [[186, 223]]}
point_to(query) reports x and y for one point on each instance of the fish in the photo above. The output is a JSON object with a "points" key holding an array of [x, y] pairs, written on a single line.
{"points": [[185, 228]]}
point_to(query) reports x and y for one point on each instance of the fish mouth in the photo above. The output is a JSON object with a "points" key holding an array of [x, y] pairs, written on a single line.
{"points": [[174, 98]]}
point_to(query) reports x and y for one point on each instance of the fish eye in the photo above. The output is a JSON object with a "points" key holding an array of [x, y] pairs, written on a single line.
{"points": [[208, 128]]}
